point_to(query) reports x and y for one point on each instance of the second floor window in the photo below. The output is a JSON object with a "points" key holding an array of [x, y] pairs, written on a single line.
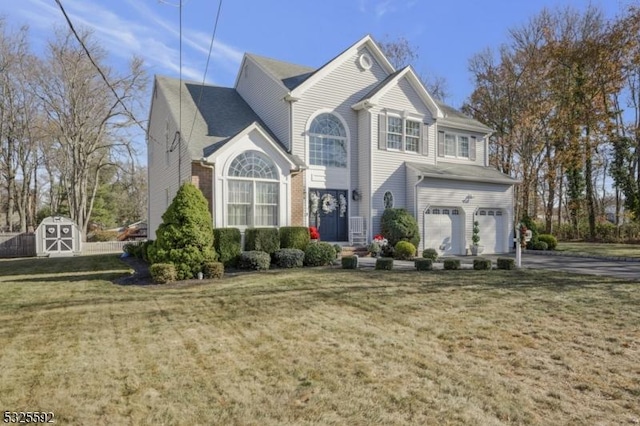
{"points": [[403, 134], [327, 142], [453, 145]]}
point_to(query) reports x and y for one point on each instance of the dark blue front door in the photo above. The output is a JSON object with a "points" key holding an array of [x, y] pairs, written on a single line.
{"points": [[328, 212]]}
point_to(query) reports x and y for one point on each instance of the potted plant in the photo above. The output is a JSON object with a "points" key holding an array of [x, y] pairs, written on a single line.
{"points": [[314, 234], [476, 248]]}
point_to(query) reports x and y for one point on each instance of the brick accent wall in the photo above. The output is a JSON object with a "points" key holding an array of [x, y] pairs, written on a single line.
{"points": [[202, 177], [298, 200]]}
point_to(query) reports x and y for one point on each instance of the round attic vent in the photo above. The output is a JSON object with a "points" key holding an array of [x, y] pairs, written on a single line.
{"points": [[365, 61]]}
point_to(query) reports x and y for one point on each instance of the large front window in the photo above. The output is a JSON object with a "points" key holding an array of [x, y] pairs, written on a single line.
{"points": [[327, 142], [253, 191]]}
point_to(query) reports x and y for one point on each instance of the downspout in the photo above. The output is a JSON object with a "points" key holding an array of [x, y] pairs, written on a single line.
{"points": [[204, 163]]}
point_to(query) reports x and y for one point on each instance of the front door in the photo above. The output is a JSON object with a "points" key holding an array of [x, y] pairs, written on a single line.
{"points": [[328, 213]]}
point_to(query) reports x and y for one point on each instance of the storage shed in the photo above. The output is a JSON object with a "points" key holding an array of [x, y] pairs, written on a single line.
{"points": [[58, 236]]}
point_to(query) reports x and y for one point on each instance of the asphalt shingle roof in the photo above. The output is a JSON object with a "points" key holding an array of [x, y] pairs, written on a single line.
{"points": [[291, 75], [465, 172]]}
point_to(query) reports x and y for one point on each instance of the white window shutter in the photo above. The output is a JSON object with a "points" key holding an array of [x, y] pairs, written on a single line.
{"points": [[424, 139], [440, 143], [382, 131], [472, 149]]}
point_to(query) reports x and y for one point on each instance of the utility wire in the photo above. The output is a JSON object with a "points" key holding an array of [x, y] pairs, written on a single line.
{"points": [[104, 77], [206, 68]]}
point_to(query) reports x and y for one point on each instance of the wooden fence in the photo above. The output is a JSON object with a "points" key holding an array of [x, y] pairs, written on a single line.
{"points": [[17, 244], [24, 245]]}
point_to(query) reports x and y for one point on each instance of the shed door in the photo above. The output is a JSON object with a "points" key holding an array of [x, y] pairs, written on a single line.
{"points": [[491, 224], [443, 228], [58, 238]]}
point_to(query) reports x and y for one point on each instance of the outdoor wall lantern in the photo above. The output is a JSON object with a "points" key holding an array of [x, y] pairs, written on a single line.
{"points": [[356, 195]]}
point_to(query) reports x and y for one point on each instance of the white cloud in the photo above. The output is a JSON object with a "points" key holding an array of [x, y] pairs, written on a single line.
{"points": [[383, 8]]}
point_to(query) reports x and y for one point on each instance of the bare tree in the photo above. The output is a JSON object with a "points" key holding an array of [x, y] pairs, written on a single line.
{"points": [[86, 117]]}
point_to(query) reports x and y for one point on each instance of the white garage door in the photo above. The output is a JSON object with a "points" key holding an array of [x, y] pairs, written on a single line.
{"points": [[443, 230], [491, 224]]}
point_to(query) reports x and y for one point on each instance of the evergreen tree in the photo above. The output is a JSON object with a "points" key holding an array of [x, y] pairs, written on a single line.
{"points": [[185, 237]]}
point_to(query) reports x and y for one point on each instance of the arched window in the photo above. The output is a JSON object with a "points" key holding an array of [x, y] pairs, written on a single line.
{"points": [[253, 191], [327, 142]]}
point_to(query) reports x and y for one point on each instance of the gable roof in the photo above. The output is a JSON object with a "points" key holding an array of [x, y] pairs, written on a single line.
{"points": [[339, 59], [457, 119], [463, 172], [290, 75], [221, 115]]}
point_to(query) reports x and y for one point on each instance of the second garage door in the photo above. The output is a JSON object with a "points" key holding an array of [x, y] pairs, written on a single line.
{"points": [[491, 224]]}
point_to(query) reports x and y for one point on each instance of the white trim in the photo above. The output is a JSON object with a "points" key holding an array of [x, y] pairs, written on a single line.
{"points": [[332, 65], [457, 145], [307, 141]]}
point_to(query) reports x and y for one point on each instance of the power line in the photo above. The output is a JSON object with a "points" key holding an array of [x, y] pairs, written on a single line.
{"points": [[206, 68], [104, 77]]}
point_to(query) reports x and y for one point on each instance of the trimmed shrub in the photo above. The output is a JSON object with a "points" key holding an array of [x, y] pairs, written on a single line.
{"points": [[185, 236], [451, 264], [551, 241], [289, 258], [400, 225], [430, 253], [133, 249], [537, 245], [228, 244], [254, 260], [482, 264], [404, 250], [423, 264], [374, 249], [319, 254], [295, 237], [506, 263], [163, 273], [213, 270], [350, 262], [338, 249], [384, 263], [262, 239]]}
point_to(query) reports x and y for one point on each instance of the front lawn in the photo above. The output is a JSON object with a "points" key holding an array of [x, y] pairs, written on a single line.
{"points": [[600, 249], [318, 346]]}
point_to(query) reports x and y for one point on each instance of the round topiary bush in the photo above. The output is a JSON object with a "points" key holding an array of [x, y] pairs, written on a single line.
{"points": [[185, 236], [319, 254], [430, 253], [289, 258], [482, 264], [537, 245], [423, 264], [404, 250], [338, 249], [552, 242], [384, 263], [254, 260], [399, 225]]}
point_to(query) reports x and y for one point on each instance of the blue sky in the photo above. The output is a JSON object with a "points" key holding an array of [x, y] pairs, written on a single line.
{"points": [[446, 32]]}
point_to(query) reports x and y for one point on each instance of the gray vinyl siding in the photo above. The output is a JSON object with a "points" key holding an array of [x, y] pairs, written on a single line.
{"points": [[265, 96], [451, 193], [364, 160], [338, 91], [388, 170], [161, 176], [480, 147]]}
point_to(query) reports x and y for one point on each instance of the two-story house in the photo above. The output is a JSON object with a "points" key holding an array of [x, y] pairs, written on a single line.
{"points": [[331, 147]]}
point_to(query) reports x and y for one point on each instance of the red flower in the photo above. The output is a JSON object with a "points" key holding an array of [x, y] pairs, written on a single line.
{"points": [[313, 233], [378, 237]]}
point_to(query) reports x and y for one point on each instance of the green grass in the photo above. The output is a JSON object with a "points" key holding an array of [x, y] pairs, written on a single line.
{"points": [[601, 249], [318, 346]]}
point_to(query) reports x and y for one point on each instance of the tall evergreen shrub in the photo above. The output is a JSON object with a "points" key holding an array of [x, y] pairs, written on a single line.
{"points": [[185, 236]]}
